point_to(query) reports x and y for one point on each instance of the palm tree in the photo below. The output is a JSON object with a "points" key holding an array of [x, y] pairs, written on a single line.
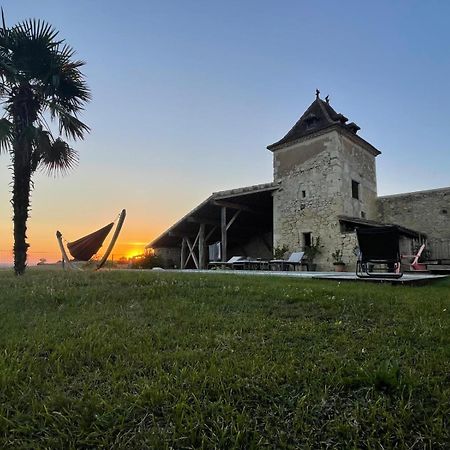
{"points": [[39, 80]]}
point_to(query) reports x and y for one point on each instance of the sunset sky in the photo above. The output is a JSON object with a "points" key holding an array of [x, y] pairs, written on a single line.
{"points": [[187, 95]]}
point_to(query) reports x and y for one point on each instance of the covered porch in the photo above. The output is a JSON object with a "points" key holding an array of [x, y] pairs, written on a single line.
{"points": [[241, 220]]}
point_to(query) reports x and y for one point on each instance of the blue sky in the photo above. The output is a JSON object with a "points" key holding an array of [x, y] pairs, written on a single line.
{"points": [[187, 95]]}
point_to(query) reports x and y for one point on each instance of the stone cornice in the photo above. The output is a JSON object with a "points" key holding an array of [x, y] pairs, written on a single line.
{"points": [[335, 127]]}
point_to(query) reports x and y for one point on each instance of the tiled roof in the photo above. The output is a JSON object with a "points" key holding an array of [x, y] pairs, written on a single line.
{"points": [[319, 116]]}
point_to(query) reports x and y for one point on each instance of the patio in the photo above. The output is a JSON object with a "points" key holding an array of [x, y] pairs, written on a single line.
{"points": [[409, 279]]}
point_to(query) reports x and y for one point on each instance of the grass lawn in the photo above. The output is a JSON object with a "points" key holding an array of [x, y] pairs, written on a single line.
{"points": [[159, 360]]}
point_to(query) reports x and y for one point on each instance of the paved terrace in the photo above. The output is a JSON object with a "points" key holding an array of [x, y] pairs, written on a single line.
{"points": [[410, 279]]}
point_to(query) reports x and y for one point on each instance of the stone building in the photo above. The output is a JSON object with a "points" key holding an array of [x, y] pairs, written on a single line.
{"points": [[324, 187]]}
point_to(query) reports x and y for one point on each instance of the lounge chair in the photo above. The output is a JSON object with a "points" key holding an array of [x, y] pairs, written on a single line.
{"points": [[251, 264], [415, 265], [293, 261], [378, 245], [228, 263]]}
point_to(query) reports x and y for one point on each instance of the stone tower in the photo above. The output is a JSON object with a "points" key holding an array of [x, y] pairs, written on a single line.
{"points": [[325, 171]]}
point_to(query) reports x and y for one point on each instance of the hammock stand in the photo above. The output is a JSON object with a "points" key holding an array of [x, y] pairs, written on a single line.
{"points": [[85, 248]]}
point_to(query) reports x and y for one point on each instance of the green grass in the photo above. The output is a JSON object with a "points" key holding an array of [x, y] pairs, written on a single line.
{"points": [[159, 360]]}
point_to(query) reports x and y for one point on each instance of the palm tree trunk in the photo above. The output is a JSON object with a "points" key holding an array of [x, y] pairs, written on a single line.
{"points": [[21, 203], [24, 109]]}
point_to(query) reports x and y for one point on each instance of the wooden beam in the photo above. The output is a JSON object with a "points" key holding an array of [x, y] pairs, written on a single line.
{"points": [[235, 215], [176, 234], [183, 254], [238, 206], [193, 219], [210, 233], [192, 252], [223, 227], [201, 246], [192, 249]]}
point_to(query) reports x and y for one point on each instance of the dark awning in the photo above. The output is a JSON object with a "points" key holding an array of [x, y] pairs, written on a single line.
{"points": [[373, 223]]}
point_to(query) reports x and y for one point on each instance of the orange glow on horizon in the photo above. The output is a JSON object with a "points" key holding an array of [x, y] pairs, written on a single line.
{"points": [[43, 244]]}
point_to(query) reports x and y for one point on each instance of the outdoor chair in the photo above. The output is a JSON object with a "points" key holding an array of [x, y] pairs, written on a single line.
{"points": [[228, 263], [293, 261], [378, 246], [415, 265], [215, 251]]}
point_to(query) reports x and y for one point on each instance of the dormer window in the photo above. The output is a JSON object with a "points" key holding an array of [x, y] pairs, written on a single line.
{"points": [[311, 121]]}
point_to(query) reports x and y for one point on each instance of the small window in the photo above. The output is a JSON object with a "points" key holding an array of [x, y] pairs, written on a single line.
{"points": [[303, 194], [307, 239], [363, 215], [444, 211], [355, 189]]}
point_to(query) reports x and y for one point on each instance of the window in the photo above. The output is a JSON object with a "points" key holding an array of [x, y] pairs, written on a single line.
{"points": [[303, 194], [311, 121], [363, 215], [307, 239], [355, 189], [444, 211]]}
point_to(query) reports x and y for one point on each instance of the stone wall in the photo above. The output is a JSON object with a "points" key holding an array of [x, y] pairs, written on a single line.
{"points": [[426, 211], [315, 179], [359, 165], [171, 256], [349, 245]]}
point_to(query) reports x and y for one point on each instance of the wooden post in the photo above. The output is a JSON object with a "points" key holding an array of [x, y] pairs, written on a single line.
{"points": [[201, 246], [223, 226], [183, 253], [191, 248]]}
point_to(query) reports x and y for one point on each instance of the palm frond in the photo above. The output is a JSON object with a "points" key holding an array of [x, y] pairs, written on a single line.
{"points": [[58, 158], [42, 143], [68, 86], [69, 124], [6, 135], [38, 30]]}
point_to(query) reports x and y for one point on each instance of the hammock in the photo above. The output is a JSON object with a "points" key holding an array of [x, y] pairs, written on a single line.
{"points": [[86, 247]]}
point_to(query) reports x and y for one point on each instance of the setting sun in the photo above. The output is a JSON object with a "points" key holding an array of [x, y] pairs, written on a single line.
{"points": [[133, 253]]}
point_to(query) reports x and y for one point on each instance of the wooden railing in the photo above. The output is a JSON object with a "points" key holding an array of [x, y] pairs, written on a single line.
{"points": [[439, 248]]}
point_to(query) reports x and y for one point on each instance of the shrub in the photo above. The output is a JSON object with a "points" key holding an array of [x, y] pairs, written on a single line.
{"points": [[148, 262], [279, 252]]}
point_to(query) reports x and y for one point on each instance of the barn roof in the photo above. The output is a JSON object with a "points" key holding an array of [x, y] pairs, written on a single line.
{"points": [[251, 200]]}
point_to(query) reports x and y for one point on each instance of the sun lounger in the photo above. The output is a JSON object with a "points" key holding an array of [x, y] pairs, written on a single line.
{"points": [[251, 264], [378, 246], [228, 263], [294, 260]]}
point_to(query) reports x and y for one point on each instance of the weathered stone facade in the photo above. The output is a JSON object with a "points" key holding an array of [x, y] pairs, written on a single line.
{"points": [[315, 177], [427, 211]]}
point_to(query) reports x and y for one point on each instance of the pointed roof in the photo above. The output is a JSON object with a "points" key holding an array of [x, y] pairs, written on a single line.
{"points": [[319, 116]]}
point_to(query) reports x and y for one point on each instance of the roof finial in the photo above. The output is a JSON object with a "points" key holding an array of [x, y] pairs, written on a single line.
{"points": [[327, 99], [317, 93]]}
